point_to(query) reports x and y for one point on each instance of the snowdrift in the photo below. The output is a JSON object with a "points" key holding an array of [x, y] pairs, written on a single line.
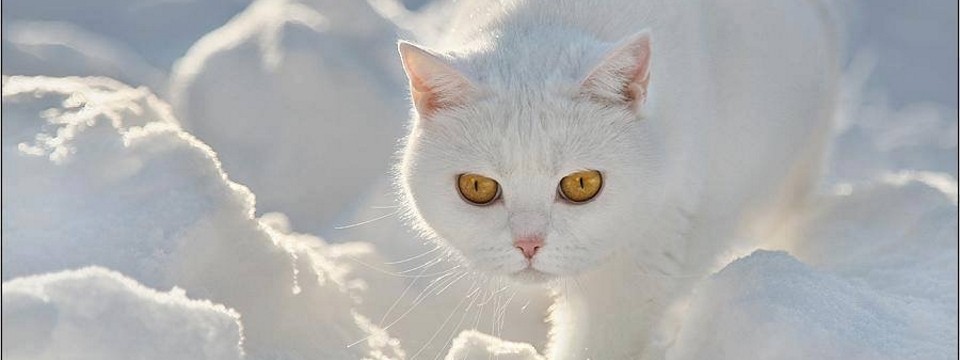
{"points": [[97, 173], [297, 94], [102, 314]]}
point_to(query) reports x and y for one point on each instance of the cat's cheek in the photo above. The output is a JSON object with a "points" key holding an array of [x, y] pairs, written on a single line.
{"points": [[493, 260], [478, 234]]}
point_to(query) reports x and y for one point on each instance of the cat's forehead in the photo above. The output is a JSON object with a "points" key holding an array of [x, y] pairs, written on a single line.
{"points": [[526, 135]]}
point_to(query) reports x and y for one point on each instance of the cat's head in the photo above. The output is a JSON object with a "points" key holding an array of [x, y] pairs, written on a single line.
{"points": [[531, 180]]}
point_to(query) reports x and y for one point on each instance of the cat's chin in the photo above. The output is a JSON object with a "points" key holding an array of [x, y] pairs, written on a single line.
{"points": [[531, 276]]}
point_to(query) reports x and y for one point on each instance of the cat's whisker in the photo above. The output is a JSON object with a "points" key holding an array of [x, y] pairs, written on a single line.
{"points": [[414, 257], [476, 324], [419, 299], [392, 273], [447, 320], [385, 328], [496, 307], [453, 330], [447, 283], [385, 207], [399, 298], [648, 272], [450, 284], [425, 265], [439, 279], [497, 291], [452, 276], [503, 313], [679, 276], [476, 321], [344, 227]]}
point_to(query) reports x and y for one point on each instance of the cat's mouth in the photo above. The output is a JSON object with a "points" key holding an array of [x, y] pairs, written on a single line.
{"points": [[532, 276]]}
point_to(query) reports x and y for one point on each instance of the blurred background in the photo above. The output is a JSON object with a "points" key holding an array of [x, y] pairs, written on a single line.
{"points": [[304, 102]]}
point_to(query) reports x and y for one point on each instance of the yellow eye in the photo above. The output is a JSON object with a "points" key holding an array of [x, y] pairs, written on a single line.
{"points": [[478, 189], [581, 186]]}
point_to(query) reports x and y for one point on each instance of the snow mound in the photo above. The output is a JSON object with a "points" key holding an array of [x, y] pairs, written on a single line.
{"points": [[90, 146], [878, 280], [473, 345], [97, 173], [770, 306], [104, 315], [302, 100], [897, 235]]}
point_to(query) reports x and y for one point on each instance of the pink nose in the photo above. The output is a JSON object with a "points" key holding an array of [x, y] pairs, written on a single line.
{"points": [[529, 245]]}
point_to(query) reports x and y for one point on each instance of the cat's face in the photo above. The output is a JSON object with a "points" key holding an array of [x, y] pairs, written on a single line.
{"points": [[531, 186]]}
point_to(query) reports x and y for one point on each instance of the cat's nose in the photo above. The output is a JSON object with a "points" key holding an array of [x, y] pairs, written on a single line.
{"points": [[529, 245]]}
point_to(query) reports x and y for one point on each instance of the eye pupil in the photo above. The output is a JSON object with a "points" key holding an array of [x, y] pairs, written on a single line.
{"points": [[580, 187], [477, 189]]}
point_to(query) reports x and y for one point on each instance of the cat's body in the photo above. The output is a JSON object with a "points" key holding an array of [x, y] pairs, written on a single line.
{"points": [[723, 124]]}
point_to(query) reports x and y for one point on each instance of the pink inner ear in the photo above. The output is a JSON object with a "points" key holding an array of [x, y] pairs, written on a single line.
{"points": [[424, 98], [434, 84], [636, 89], [623, 76]]}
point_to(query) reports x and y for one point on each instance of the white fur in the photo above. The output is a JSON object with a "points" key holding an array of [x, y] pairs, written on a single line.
{"points": [[731, 133]]}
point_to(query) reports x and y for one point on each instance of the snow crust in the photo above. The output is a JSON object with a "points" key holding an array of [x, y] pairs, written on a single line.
{"points": [[102, 314]]}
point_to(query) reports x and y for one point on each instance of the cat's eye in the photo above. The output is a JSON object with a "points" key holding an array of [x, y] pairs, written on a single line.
{"points": [[478, 189], [581, 186]]}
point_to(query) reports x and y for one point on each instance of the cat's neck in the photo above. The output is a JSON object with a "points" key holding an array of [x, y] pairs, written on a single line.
{"points": [[615, 311], [611, 313]]}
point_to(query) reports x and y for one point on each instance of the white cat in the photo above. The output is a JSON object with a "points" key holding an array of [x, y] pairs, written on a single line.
{"points": [[610, 149]]}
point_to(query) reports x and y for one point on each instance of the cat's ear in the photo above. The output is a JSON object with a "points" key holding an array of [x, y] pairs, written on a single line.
{"points": [[434, 83], [622, 76]]}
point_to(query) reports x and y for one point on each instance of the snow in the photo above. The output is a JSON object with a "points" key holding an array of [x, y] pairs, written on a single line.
{"points": [[124, 236], [898, 235], [97, 173], [770, 306], [323, 77], [473, 345], [102, 314], [873, 271]]}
